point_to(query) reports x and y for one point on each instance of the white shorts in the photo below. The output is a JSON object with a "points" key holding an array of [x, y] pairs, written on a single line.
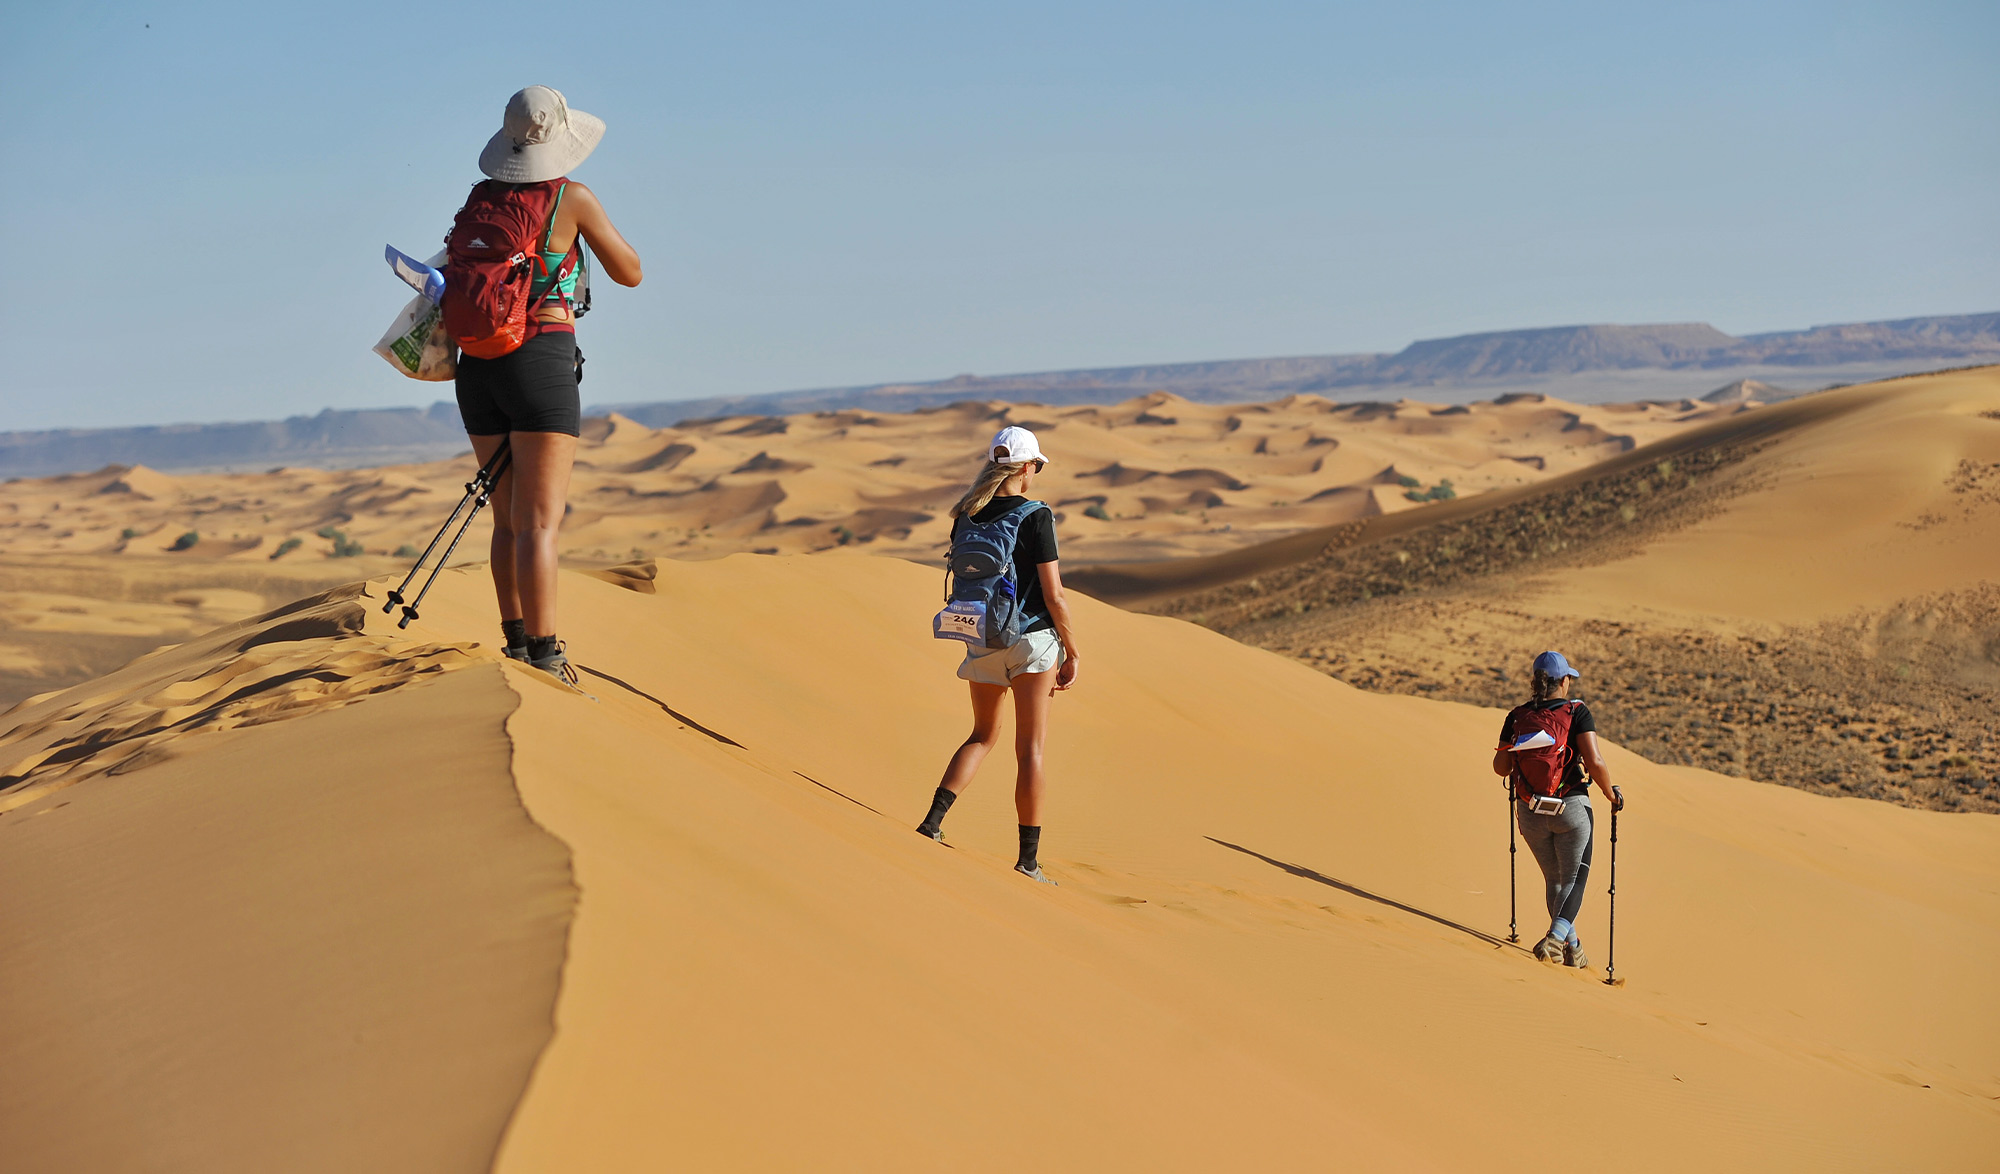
{"points": [[1037, 652]]}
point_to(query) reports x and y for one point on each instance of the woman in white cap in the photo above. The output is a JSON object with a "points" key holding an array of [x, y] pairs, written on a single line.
{"points": [[524, 394], [1041, 663], [1548, 752]]}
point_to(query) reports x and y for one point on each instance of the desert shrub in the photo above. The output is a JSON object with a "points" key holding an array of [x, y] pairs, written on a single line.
{"points": [[286, 547], [1408, 482], [128, 533], [408, 551], [1094, 510], [327, 531], [1442, 491], [186, 540]]}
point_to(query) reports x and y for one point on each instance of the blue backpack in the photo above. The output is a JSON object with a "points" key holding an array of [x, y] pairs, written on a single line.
{"points": [[982, 599]]}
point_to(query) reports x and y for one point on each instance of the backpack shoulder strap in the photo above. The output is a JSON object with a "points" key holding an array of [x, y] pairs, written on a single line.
{"points": [[549, 230]]}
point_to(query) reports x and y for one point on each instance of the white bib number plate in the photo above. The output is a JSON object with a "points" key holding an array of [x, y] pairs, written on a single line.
{"points": [[961, 620]]}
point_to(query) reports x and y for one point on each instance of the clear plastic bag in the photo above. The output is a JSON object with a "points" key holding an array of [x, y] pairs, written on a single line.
{"points": [[415, 342]]}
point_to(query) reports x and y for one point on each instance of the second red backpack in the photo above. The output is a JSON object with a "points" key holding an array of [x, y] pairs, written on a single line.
{"points": [[492, 258]]}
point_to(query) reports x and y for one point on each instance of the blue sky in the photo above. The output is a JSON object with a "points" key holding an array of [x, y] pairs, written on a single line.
{"points": [[867, 192]]}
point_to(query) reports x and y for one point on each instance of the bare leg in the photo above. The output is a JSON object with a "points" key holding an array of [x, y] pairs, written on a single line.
{"points": [[502, 550], [1031, 718], [537, 497], [984, 737]]}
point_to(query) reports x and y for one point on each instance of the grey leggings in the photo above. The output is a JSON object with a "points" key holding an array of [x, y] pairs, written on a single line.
{"points": [[1561, 844]]}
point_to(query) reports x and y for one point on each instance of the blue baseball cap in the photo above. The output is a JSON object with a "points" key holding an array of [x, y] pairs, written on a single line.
{"points": [[1552, 664]]}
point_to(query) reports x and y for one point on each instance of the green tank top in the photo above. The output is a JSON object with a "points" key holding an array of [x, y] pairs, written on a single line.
{"points": [[545, 284]]}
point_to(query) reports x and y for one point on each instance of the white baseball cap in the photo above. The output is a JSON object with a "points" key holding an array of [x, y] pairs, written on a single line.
{"points": [[1016, 446]]}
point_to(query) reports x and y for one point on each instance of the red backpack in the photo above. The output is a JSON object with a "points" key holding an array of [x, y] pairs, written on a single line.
{"points": [[1540, 771], [492, 260]]}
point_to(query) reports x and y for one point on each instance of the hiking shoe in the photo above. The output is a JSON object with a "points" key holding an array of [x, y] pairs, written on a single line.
{"points": [[1573, 955], [1549, 949], [557, 665], [516, 652], [1033, 874], [934, 833]]}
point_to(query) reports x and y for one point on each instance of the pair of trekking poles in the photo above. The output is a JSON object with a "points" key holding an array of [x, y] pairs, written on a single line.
{"points": [[1513, 890], [478, 492]]}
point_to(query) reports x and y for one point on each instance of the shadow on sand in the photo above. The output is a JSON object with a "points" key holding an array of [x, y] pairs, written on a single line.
{"points": [[1311, 875]]}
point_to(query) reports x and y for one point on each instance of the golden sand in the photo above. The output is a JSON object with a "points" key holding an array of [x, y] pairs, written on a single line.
{"points": [[307, 892], [1276, 939]]}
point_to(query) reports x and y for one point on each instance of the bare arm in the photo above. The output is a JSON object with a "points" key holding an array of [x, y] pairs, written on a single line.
{"points": [[1052, 594], [1593, 762], [619, 259], [1503, 762]]}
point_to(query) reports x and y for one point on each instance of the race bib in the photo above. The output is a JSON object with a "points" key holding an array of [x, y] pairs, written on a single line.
{"points": [[962, 620]]}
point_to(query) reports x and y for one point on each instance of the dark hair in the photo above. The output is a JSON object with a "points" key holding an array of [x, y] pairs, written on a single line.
{"points": [[1546, 685]]}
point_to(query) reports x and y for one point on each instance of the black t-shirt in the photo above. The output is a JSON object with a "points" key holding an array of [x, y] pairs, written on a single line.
{"points": [[1034, 544], [1580, 722]]}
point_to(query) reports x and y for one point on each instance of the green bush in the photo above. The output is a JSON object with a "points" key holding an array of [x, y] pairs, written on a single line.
{"points": [[1442, 491], [286, 547], [327, 531], [186, 540], [128, 534], [407, 551], [1094, 510], [1408, 482]]}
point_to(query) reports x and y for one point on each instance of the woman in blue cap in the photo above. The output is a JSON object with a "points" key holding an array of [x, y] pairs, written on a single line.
{"points": [[1548, 750]]}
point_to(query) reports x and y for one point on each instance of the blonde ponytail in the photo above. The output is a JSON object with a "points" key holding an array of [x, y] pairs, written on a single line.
{"points": [[985, 487]]}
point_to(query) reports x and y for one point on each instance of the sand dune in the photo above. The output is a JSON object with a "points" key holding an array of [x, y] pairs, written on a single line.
{"points": [[1807, 593], [98, 568], [1169, 476], [319, 934]]}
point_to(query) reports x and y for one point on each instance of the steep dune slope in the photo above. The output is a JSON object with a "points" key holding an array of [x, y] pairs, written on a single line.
{"points": [[1808, 593], [1274, 944]]}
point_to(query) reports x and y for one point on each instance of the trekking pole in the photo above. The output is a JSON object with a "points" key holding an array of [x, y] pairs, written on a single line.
{"points": [[502, 459], [484, 479], [1513, 908], [1611, 935]]}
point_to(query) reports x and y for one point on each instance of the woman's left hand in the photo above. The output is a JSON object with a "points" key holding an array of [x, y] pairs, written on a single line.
{"points": [[1066, 675]]}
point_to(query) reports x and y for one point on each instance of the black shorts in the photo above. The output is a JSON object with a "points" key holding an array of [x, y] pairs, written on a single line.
{"points": [[532, 389]]}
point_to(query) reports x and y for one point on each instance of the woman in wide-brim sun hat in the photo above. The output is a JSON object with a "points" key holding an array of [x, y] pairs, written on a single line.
{"points": [[1041, 663], [527, 398]]}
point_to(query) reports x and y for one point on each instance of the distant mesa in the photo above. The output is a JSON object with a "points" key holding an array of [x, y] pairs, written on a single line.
{"points": [[1590, 364], [1639, 362]]}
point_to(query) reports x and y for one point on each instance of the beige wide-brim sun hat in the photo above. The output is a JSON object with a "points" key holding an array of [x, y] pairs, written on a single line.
{"points": [[541, 138]]}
